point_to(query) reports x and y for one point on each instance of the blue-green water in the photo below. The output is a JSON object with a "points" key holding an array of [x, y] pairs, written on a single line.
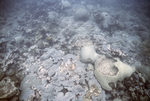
{"points": [[49, 49]]}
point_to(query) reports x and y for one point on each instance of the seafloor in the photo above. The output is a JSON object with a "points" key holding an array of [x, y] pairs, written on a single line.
{"points": [[40, 42]]}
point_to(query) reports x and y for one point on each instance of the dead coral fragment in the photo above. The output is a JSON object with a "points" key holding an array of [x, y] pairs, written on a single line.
{"points": [[94, 91], [7, 88], [69, 65]]}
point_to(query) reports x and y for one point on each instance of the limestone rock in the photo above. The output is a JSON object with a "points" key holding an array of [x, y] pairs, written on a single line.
{"points": [[40, 44]]}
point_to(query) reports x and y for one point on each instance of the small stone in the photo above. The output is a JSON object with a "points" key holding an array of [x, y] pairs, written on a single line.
{"points": [[121, 93], [10, 72], [1, 74], [87, 97], [14, 98], [141, 77], [117, 99], [94, 90], [144, 98], [126, 96], [120, 85], [141, 83], [90, 67], [28, 42], [40, 44], [114, 92], [19, 39], [134, 96], [131, 89]]}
